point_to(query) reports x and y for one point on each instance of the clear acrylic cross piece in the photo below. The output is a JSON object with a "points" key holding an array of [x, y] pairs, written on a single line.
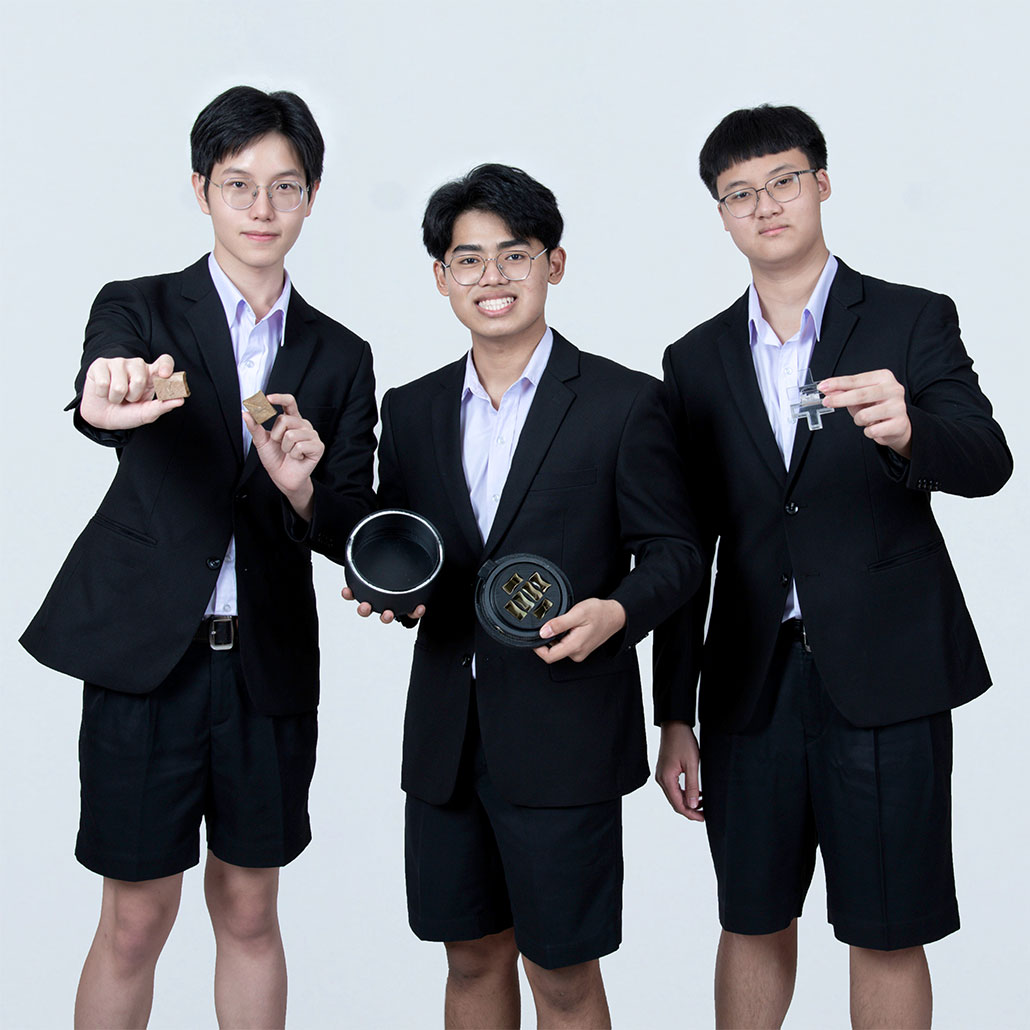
{"points": [[807, 402]]}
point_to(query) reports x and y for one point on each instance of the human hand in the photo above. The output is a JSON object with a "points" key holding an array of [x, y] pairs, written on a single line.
{"points": [[119, 392], [678, 756], [876, 403], [586, 625], [289, 451], [365, 609]]}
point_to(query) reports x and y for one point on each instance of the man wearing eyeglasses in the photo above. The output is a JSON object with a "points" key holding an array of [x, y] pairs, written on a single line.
{"points": [[187, 604], [516, 759], [816, 416]]}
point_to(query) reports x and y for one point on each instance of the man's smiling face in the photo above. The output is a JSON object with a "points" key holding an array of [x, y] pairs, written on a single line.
{"points": [[497, 309]]}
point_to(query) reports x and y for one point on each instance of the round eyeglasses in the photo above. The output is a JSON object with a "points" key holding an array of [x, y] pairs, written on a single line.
{"points": [[283, 194], [515, 265], [783, 189]]}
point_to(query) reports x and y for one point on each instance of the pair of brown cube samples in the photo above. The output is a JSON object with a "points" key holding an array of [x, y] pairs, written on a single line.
{"points": [[175, 386]]}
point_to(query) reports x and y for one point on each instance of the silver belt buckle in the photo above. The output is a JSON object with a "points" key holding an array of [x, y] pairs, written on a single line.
{"points": [[216, 638]]}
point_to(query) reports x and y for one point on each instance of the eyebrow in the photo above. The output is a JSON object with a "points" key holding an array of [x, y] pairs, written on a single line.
{"points": [[503, 245], [246, 173], [731, 186]]}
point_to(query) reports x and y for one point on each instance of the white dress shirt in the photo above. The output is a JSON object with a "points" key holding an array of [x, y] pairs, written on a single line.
{"points": [[490, 435], [254, 345], [780, 366]]}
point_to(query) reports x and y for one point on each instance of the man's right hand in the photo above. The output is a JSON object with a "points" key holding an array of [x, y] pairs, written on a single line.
{"points": [[365, 609], [679, 755], [119, 392]]}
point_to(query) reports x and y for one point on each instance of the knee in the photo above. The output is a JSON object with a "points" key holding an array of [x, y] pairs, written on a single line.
{"points": [[137, 926], [243, 907], [470, 961], [565, 989]]}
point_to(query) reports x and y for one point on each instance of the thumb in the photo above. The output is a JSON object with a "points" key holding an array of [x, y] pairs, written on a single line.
{"points": [[163, 367], [553, 627], [258, 433]]}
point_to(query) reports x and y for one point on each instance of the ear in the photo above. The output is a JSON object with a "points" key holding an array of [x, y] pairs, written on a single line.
{"points": [[556, 265], [822, 181], [723, 215], [440, 274], [311, 196], [198, 181]]}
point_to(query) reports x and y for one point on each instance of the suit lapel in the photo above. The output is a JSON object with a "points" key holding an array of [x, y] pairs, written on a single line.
{"points": [[291, 360], [206, 318], [551, 402], [735, 352], [838, 324], [446, 416]]}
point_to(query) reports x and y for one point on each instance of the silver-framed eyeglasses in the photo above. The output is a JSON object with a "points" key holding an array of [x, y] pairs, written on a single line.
{"points": [[515, 265], [783, 188], [283, 194]]}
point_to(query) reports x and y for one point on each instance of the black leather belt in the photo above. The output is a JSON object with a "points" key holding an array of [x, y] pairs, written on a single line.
{"points": [[219, 632], [795, 630]]}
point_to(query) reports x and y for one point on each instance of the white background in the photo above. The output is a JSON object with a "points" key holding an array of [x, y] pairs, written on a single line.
{"points": [[607, 103]]}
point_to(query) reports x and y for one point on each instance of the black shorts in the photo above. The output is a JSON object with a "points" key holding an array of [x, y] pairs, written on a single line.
{"points": [[479, 865], [877, 802], [151, 766]]}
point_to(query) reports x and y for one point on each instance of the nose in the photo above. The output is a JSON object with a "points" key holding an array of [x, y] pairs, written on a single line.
{"points": [[262, 206], [492, 272], [765, 204]]}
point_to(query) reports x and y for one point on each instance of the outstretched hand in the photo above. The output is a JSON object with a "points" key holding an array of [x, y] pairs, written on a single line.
{"points": [[289, 451], [586, 625], [119, 392], [876, 403]]}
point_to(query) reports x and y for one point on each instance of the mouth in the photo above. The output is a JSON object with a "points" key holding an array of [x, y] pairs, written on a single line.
{"points": [[773, 230], [495, 305], [261, 237]]}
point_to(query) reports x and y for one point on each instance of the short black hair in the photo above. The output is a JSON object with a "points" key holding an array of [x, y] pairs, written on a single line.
{"points": [[755, 132], [243, 114], [528, 208]]}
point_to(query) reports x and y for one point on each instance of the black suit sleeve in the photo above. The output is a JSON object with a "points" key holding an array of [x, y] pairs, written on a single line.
{"points": [[342, 480], [655, 521], [678, 641], [957, 447]]}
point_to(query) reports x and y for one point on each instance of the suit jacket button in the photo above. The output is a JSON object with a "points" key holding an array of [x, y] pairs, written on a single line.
{"points": [[791, 508], [466, 660], [214, 563], [784, 580]]}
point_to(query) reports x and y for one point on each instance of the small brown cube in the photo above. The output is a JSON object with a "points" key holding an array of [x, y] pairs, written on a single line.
{"points": [[172, 388], [260, 408]]}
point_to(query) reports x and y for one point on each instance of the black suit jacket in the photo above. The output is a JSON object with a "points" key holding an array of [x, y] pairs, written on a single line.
{"points": [[133, 590], [594, 481], [849, 520]]}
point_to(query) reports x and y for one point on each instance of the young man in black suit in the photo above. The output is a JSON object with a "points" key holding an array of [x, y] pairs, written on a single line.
{"points": [[515, 761], [838, 640], [187, 603]]}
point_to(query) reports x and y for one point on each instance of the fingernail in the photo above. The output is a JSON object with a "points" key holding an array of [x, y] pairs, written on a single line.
{"points": [[546, 631]]}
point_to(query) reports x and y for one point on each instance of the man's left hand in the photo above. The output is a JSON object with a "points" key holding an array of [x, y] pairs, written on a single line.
{"points": [[289, 451], [876, 402], [586, 626]]}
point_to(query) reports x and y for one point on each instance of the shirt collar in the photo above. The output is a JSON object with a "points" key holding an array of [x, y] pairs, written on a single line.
{"points": [[231, 297], [532, 372], [813, 312]]}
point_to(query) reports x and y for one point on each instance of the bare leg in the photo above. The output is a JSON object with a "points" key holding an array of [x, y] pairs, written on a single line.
{"points": [[482, 983], [250, 965], [116, 988], [754, 978], [890, 989], [572, 996]]}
